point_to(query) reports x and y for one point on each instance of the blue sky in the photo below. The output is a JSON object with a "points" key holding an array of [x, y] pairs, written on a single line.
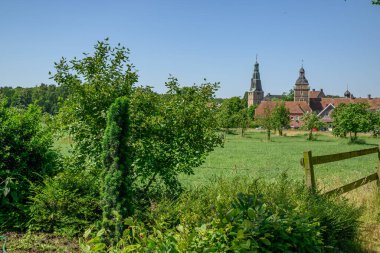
{"points": [[338, 40]]}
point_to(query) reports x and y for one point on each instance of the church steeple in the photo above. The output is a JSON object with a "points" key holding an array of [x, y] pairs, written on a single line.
{"points": [[255, 80], [255, 93]]}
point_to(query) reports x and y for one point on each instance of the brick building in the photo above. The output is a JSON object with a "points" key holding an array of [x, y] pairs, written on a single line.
{"points": [[305, 100]]}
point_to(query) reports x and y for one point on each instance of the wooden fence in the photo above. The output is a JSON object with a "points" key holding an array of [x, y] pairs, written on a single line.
{"points": [[308, 161]]}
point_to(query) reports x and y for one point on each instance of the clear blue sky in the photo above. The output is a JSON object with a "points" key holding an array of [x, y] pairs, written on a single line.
{"points": [[338, 40]]}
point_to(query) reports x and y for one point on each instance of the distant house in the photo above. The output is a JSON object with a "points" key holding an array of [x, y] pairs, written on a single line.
{"points": [[305, 100], [296, 110]]}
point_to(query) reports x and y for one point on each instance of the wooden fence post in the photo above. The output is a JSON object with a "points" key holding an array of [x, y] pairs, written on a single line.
{"points": [[309, 171]]}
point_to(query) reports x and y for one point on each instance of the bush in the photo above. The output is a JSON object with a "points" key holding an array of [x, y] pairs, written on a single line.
{"points": [[26, 156], [240, 215], [67, 203]]}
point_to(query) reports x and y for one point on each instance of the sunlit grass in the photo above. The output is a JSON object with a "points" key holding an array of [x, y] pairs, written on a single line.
{"points": [[253, 156]]}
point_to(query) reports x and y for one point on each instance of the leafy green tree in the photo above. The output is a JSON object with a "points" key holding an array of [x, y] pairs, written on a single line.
{"points": [[117, 176], [288, 96], [280, 117], [376, 2], [232, 113], [171, 134], [311, 121], [26, 156], [93, 84], [266, 121], [352, 118]]}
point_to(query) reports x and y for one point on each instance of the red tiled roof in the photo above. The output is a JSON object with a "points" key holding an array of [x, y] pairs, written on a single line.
{"points": [[314, 93], [295, 108], [374, 102]]}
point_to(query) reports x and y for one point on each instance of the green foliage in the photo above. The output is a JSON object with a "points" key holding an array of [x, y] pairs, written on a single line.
{"points": [[48, 97], [171, 134], [26, 156], [274, 118], [67, 203], [376, 123], [266, 121], [93, 82], [233, 113], [117, 177], [288, 96], [352, 118], [311, 121], [280, 117], [239, 215], [376, 2]]}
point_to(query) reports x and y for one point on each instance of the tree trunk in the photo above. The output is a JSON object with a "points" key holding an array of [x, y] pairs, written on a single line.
{"points": [[310, 134], [268, 134], [280, 131]]}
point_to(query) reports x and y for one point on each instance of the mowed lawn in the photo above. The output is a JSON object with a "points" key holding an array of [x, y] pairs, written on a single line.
{"points": [[253, 156]]}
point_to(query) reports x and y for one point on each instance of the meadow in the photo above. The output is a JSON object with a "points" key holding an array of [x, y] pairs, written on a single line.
{"points": [[251, 155]]}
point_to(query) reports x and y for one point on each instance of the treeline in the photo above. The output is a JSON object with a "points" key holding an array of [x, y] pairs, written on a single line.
{"points": [[47, 96]]}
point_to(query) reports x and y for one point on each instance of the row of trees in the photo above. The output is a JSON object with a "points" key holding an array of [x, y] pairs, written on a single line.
{"points": [[48, 97], [351, 119]]}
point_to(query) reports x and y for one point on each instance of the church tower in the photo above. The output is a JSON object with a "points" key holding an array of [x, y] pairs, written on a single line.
{"points": [[255, 93], [301, 88]]}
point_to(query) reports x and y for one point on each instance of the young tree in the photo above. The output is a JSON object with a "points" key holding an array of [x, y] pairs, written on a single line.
{"points": [[280, 117], [352, 118], [117, 177], [93, 82], [311, 121], [266, 121]]}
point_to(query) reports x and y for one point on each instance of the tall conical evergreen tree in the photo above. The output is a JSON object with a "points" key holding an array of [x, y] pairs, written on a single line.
{"points": [[116, 178]]}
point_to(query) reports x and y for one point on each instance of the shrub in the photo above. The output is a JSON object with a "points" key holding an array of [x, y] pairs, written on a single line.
{"points": [[67, 203], [26, 156], [240, 215]]}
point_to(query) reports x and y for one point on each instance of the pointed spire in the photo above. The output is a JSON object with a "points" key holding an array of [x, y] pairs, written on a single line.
{"points": [[255, 80]]}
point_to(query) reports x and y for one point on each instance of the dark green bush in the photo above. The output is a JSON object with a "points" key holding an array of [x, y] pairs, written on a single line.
{"points": [[26, 156], [67, 203]]}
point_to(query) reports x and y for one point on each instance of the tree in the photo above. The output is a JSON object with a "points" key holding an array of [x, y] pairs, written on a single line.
{"points": [[232, 113], [280, 117], [288, 96], [311, 121], [26, 156], [352, 118], [93, 83], [376, 123], [266, 121], [171, 134], [251, 115], [117, 176], [376, 2]]}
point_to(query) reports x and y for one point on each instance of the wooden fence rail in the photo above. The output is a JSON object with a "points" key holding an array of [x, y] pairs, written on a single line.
{"points": [[308, 161]]}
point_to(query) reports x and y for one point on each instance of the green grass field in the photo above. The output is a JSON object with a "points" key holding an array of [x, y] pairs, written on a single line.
{"points": [[253, 156]]}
